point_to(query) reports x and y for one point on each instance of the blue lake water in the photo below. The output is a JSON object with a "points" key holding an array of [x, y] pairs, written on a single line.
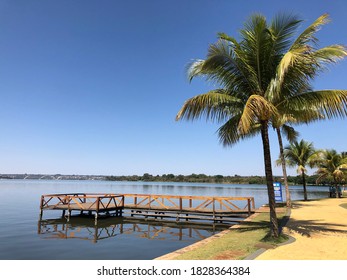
{"points": [[23, 236]]}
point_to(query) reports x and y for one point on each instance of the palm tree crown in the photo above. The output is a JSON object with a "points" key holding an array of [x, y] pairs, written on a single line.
{"points": [[301, 154], [332, 167], [264, 76]]}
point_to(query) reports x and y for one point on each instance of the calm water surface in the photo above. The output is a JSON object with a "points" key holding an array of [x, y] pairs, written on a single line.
{"points": [[23, 236]]}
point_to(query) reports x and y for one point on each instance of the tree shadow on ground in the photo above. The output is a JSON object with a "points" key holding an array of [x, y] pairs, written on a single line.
{"points": [[306, 228], [297, 204], [310, 227], [343, 205]]}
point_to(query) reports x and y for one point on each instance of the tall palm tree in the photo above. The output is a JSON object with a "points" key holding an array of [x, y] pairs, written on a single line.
{"points": [[262, 76], [332, 167], [291, 135], [301, 154]]}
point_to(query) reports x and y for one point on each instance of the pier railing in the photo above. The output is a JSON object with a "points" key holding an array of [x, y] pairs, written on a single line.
{"points": [[198, 204], [82, 202]]}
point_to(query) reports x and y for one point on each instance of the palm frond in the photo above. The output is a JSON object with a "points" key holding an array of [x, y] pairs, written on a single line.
{"points": [[194, 69], [225, 65], [229, 133], [289, 132], [214, 105], [307, 36], [330, 54], [327, 103], [302, 63], [282, 29], [257, 47]]}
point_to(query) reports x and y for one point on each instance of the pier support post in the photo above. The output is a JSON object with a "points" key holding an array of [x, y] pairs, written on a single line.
{"points": [[68, 215], [41, 206], [214, 210], [41, 214], [177, 218], [96, 218]]}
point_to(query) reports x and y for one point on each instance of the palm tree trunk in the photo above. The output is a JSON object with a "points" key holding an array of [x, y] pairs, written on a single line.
{"points": [[336, 188], [304, 185], [269, 178], [284, 169]]}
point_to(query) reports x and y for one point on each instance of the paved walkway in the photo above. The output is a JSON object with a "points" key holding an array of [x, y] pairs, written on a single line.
{"points": [[320, 231]]}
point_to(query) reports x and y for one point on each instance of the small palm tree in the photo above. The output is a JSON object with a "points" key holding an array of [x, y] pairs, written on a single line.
{"points": [[301, 154], [281, 125], [332, 167]]}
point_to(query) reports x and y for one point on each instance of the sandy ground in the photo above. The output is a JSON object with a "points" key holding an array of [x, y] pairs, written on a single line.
{"points": [[320, 232]]}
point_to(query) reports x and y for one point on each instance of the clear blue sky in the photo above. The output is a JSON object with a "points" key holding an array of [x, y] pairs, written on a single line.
{"points": [[93, 87]]}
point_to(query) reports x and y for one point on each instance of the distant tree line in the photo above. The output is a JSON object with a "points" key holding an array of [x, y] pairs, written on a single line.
{"points": [[203, 178]]}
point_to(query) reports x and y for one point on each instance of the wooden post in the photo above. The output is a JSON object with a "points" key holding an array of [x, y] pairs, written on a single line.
{"points": [[68, 206], [41, 206], [97, 210], [214, 210], [249, 206], [96, 218]]}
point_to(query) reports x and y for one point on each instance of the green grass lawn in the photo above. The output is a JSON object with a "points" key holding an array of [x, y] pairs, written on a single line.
{"points": [[239, 242]]}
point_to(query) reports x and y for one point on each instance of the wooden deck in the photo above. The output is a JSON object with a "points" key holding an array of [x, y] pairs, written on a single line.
{"points": [[152, 206]]}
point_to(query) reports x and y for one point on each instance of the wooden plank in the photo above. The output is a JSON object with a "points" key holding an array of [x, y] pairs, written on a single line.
{"points": [[227, 201], [160, 203], [197, 207], [78, 203], [167, 198]]}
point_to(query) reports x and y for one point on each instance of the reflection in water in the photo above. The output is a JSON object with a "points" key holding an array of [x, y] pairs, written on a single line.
{"points": [[84, 228]]}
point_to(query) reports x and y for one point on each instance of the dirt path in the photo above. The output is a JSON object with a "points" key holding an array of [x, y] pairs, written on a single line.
{"points": [[320, 232]]}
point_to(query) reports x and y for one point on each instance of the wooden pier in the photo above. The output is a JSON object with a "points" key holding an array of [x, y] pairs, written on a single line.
{"points": [[152, 206]]}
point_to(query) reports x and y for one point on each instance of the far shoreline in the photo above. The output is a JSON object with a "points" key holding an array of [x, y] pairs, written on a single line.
{"points": [[169, 178]]}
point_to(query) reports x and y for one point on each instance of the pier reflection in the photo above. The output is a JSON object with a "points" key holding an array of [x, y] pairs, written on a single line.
{"points": [[85, 229]]}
